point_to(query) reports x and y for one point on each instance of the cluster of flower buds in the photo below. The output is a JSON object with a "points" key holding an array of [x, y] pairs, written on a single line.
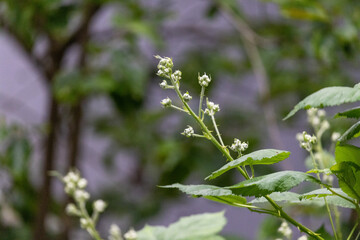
{"points": [[164, 67], [74, 186], [166, 102], [188, 132], [187, 97], [204, 80], [316, 117], [239, 146], [285, 230], [176, 76], [212, 108], [306, 140]]}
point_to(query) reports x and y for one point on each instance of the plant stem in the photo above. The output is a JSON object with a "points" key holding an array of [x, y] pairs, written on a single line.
{"points": [[201, 100], [226, 153], [326, 203], [180, 109], [91, 228], [352, 231], [217, 130]]}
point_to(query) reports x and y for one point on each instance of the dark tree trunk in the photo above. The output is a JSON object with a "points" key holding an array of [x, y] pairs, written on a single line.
{"points": [[49, 155]]}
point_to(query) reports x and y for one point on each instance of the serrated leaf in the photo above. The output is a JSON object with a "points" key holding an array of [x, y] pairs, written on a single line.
{"points": [[347, 153], [330, 96], [264, 156], [351, 113], [284, 197], [275, 182], [212, 193], [353, 131], [319, 194], [201, 190], [196, 227], [291, 198], [349, 178]]}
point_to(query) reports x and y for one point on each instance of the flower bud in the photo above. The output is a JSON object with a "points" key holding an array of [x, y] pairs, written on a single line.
{"points": [[131, 235], [166, 102], [99, 206]]}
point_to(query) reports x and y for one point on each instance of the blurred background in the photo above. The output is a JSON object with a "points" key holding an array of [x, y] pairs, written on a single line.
{"points": [[78, 89]]}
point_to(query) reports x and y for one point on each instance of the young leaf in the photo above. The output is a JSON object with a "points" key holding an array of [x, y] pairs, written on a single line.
{"points": [[195, 227], [351, 113], [347, 153], [212, 193], [353, 131], [264, 156], [349, 178], [275, 182], [330, 96]]}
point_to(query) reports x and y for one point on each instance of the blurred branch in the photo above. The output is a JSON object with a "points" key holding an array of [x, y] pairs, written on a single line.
{"points": [[250, 45]]}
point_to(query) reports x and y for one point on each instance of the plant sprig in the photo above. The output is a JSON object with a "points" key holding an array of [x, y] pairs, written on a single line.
{"points": [[165, 70]]}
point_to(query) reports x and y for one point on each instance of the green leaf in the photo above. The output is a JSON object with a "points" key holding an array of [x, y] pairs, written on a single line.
{"points": [[212, 193], [330, 96], [195, 227], [347, 153], [311, 198], [350, 113], [201, 190], [280, 198], [264, 156], [319, 194], [353, 131], [275, 182], [348, 174]]}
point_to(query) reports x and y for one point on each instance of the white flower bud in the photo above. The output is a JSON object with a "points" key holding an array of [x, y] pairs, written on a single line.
{"points": [[166, 102], [99, 206], [238, 146], [321, 113], [82, 183], [325, 125], [163, 84], [176, 76], [285, 230], [335, 136], [212, 108], [115, 231], [188, 132], [328, 179], [72, 210], [303, 237], [84, 223], [187, 97], [204, 80], [315, 121], [131, 235], [81, 195]]}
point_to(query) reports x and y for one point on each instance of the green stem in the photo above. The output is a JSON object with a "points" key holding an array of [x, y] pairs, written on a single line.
{"points": [[226, 153], [201, 100], [92, 230], [326, 203], [352, 231], [217, 130], [177, 108]]}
